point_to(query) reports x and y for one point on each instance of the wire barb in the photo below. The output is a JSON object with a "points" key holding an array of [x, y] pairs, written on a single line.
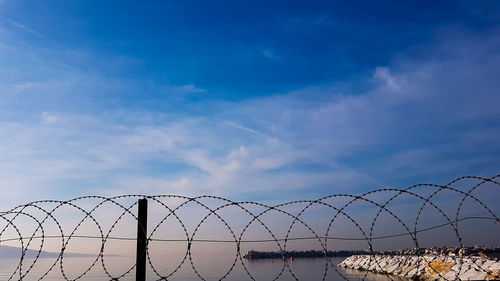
{"points": [[36, 227]]}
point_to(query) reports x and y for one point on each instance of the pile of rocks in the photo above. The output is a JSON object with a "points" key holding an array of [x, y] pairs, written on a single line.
{"points": [[427, 267]]}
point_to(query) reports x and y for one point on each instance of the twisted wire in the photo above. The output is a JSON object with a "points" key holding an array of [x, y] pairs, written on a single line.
{"points": [[36, 221]]}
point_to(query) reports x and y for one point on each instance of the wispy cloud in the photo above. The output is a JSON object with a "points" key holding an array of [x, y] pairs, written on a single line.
{"points": [[185, 89], [19, 26], [417, 119], [268, 53], [383, 76], [231, 124]]}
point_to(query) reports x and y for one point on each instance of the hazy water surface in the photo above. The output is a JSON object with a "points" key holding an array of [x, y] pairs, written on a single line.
{"points": [[209, 268]]}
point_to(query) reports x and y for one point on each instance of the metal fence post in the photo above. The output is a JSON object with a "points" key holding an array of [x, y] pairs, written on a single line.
{"points": [[142, 227]]}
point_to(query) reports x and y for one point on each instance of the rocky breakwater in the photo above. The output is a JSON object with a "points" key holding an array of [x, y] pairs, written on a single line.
{"points": [[427, 267]]}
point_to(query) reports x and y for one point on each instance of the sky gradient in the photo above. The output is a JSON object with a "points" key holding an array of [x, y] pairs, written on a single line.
{"points": [[250, 100]]}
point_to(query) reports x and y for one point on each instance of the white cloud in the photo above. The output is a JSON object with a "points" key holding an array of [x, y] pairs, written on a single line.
{"points": [[317, 139], [152, 185], [48, 118], [250, 130], [19, 25], [383, 76], [185, 89]]}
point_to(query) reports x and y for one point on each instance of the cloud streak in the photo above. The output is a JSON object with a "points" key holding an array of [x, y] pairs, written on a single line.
{"points": [[418, 120]]}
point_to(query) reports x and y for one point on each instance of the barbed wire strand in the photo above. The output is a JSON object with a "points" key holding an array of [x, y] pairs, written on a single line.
{"points": [[43, 213]]}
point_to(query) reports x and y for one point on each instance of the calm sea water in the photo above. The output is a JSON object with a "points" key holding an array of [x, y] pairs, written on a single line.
{"points": [[210, 268]]}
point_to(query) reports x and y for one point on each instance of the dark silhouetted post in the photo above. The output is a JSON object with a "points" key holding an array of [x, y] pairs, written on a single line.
{"points": [[142, 226]]}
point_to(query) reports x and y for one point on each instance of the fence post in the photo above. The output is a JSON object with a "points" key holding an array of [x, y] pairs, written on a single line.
{"points": [[142, 227]]}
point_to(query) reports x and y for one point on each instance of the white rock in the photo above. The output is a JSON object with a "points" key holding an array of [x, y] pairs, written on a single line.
{"points": [[466, 268], [495, 266], [473, 275], [451, 275]]}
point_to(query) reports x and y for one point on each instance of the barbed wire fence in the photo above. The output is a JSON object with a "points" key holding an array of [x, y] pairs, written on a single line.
{"points": [[46, 234]]}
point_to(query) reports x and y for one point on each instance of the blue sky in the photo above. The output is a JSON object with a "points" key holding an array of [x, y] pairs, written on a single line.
{"points": [[246, 99]]}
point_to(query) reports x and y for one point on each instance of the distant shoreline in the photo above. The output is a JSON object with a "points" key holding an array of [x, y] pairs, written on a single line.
{"points": [[9, 252], [442, 251], [255, 255]]}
